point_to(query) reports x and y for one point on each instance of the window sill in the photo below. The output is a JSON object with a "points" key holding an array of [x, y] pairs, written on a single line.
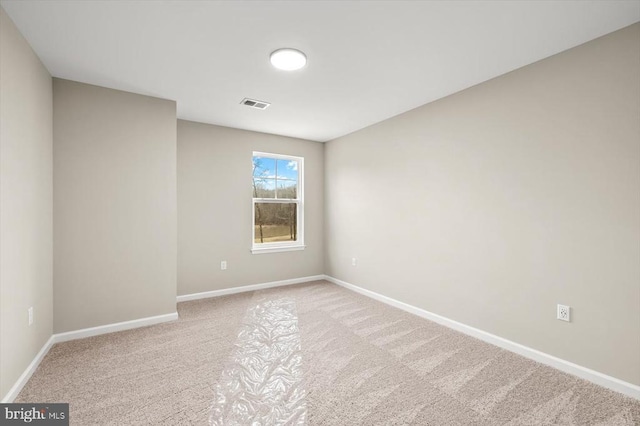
{"points": [[264, 250]]}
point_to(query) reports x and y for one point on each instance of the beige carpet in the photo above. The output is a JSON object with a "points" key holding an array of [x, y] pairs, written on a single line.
{"points": [[361, 362]]}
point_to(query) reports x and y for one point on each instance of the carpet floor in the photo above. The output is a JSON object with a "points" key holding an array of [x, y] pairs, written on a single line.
{"points": [[314, 354]]}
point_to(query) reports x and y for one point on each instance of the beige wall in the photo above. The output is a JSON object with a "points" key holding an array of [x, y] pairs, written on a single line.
{"points": [[25, 204], [214, 209], [114, 206], [488, 207], [491, 206]]}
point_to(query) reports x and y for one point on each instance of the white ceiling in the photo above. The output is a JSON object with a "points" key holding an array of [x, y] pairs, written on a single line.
{"points": [[368, 60]]}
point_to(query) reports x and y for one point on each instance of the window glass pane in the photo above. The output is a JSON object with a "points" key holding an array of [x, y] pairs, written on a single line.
{"points": [[264, 166], [287, 189], [264, 173], [287, 178], [264, 188], [288, 169], [275, 222]]}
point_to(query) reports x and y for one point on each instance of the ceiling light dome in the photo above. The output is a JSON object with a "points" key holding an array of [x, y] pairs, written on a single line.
{"points": [[288, 59]]}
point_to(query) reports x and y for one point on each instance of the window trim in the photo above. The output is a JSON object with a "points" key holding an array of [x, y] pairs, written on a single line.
{"points": [[280, 246]]}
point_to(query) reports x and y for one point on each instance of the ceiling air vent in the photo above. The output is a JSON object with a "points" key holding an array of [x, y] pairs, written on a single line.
{"points": [[255, 104]]}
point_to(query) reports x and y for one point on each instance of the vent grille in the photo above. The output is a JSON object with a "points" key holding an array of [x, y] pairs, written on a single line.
{"points": [[253, 103]]}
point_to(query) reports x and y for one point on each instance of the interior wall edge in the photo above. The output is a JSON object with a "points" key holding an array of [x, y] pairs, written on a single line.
{"points": [[246, 288], [609, 382], [496, 204], [28, 372], [590, 375], [80, 334], [26, 187]]}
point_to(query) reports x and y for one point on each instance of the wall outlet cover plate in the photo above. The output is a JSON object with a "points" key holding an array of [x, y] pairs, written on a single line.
{"points": [[564, 313]]}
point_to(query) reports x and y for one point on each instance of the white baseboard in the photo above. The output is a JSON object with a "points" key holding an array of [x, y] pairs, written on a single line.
{"points": [[79, 334], [245, 288], [598, 378], [593, 376], [142, 322], [26, 375], [112, 328]]}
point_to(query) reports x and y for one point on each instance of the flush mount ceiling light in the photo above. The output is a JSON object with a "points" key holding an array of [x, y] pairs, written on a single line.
{"points": [[288, 59]]}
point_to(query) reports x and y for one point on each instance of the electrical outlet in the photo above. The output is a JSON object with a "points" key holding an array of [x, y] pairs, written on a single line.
{"points": [[31, 315], [223, 265], [354, 261], [564, 313]]}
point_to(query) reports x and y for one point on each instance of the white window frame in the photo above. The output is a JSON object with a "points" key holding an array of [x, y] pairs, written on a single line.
{"points": [[274, 247]]}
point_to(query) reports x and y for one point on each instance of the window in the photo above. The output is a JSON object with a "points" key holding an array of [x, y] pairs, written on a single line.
{"points": [[278, 207]]}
